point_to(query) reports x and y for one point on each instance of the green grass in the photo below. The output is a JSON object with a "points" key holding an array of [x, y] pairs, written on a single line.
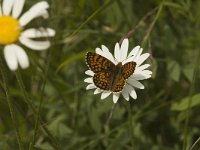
{"points": [[46, 106]]}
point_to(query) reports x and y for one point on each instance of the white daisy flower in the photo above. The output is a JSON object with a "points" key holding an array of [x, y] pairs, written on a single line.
{"points": [[12, 25], [121, 56]]}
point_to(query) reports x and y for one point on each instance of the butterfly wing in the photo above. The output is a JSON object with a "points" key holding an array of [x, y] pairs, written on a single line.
{"points": [[98, 63], [128, 69], [119, 83], [103, 80]]}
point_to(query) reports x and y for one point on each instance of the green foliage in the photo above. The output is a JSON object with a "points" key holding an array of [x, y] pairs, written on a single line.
{"points": [[72, 118], [183, 104], [174, 70]]}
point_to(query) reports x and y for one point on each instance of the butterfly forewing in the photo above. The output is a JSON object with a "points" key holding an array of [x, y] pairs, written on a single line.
{"points": [[98, 63], [128, 69], [103, 80]]}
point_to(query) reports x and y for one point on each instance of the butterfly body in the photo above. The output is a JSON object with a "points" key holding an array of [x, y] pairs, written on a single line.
{"points": [[108, 76], [115, 75]]}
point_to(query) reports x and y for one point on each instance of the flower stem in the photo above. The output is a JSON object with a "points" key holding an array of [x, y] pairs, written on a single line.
{"points": [[12, 113], [109, 118]]}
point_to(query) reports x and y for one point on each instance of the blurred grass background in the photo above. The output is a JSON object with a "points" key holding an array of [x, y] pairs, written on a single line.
{"points": [[53, 111]]}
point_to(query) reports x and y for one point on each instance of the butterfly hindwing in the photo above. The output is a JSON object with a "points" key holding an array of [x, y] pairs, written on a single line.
{"points": [[119, 83], [98, 63], [128, 69], [102, 80]]}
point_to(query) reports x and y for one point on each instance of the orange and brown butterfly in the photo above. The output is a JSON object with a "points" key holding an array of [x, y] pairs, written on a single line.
{"points": [[107, 75]]}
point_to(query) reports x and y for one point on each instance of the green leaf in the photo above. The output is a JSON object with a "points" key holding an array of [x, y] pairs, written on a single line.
{"points": [[120, 138], [174, 70], [183, 104], [173, 5], [72, 59], [59, 128], [188, 71]]}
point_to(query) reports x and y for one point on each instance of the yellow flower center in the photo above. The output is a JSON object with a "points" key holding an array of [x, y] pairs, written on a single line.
{"points": [[9, 30]]}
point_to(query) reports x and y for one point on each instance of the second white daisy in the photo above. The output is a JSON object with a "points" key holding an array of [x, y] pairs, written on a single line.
{"points": [[12, 24]]}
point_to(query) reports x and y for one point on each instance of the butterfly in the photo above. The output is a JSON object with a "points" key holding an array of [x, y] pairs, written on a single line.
{"points": [[107, 75]]}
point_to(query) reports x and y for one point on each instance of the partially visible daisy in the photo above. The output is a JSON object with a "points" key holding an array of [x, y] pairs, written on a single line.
{"points": [[121, 55], [12, 25]]}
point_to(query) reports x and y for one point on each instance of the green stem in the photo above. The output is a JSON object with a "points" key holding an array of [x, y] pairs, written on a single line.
{"points": [[12, 114], [103, 137], [76, 103], [197, 62], [40, 104], [106, 126], [147, 34], [195, 143], [54, 142], [106, 4], [133, 30]]}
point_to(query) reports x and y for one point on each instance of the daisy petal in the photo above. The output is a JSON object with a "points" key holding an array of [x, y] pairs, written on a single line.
{"points": [[133, 94], [115, 97], [142, 58], [134, 51], [89, 72], [17, 8], [97, 91], [105, 94], [144, 73], [137, 55], [34, 33], [44, 14], [10, 57], [143, 67], [88, 80], [124, 49], [35, 11], [21, 57], [138, 77], [147, 72], [90, 86], [99, 51], [35, 45], [131, 91], [125, 94], [141, 70], [7, 7], [135, 83], [117, 52], [107, 54]]}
